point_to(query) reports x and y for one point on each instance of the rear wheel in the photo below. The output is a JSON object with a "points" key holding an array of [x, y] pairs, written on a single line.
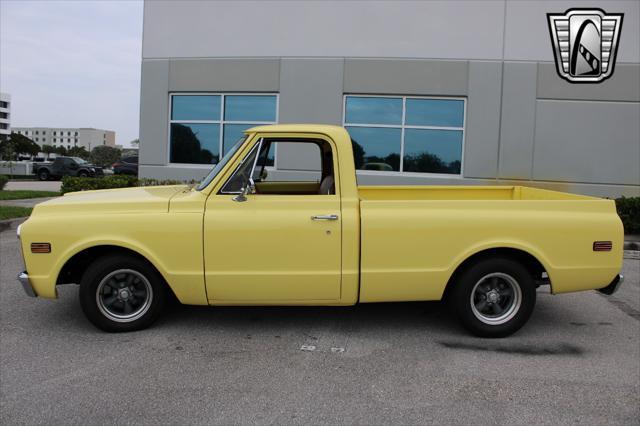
{"points": [[121, 293], [494, 297], [43, 174]]}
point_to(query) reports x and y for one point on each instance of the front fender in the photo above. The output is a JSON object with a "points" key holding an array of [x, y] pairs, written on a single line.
{"points": [[171, 243]]}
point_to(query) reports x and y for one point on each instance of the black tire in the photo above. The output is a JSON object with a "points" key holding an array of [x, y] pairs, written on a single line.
{"points": [[507, 289], [83, 174], [43, 174], [108, 277]]}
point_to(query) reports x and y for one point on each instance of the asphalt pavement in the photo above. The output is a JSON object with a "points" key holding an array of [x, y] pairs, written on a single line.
{"points": [[576, 361]]}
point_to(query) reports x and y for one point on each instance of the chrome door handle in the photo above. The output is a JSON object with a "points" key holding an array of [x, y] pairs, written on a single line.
{"points": [[325, 217]]}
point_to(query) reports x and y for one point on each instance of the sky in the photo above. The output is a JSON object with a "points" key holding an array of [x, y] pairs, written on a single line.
{"points": [[73, 63]]}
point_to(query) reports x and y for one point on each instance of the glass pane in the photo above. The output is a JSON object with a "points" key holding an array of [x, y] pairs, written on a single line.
{"points": [[199, 107], [195, 143], [434, 112], [373, 110], [376, 148], [250, 108], [241, 175], [432, 151], [233, 132]]}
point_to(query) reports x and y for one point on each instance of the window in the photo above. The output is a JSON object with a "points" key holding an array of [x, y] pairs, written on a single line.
{"points": [[316, 155], [4, 104], [204, 126], [406, 134]]}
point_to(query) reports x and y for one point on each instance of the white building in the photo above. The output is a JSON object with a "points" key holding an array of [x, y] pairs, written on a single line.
{"points": [[88, 138], [5, 116], [431, 92]]}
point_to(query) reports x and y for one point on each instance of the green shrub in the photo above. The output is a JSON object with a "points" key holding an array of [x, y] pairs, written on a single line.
{"points": [[629, 212], [3, 181], [74, 184]]}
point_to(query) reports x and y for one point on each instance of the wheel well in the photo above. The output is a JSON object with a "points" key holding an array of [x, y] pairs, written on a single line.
{"points": [[533, 265], [71, 272]]}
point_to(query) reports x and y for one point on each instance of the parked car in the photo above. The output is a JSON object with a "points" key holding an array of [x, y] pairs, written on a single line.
{"points": [[126, 166], [66, 166], [323, 241]]}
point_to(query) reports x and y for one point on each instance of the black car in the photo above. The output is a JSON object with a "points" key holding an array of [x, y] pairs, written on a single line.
{"points": [[66, 166], [126, 166]]}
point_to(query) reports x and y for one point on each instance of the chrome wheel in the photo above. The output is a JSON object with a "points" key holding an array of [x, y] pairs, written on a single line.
{"points": [[124, 295], [496, 298]]}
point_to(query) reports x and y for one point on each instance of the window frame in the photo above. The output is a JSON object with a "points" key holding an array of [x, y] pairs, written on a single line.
{"points": [[402, 126], [221, 122]]}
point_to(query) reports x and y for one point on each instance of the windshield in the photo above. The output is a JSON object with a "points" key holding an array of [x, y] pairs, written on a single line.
{"points": [[79, 160], [218, 167]]}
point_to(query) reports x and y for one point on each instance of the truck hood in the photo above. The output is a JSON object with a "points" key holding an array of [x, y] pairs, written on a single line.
{"points": [[124, 200]]}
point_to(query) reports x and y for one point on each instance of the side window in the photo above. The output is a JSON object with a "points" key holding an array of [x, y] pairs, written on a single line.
{"points": [[241, 175]]}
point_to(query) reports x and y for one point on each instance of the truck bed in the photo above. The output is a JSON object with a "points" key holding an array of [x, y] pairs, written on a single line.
{"points": [[432, 229], [462, 193]]}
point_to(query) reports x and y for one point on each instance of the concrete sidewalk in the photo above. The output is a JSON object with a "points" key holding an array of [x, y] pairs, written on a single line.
{"points": [[27, 202], [33, 185]]}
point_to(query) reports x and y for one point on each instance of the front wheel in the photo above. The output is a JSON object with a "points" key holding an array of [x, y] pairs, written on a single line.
{"points": [[121, 293], [83, 174], [43, 175], [494, 297]]}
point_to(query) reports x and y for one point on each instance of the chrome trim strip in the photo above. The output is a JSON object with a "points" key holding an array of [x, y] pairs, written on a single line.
{"points": [[23, 277]]}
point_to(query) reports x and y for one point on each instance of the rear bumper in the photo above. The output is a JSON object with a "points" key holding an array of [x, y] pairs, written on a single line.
{"points": [[614, 286], [23, 277]]}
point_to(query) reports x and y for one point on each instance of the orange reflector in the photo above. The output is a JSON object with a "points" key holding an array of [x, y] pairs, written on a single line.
{"points": [[40, 248], [602, 246]]}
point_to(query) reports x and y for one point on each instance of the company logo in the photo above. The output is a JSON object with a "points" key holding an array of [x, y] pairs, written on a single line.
{"points": [[585, 43]]}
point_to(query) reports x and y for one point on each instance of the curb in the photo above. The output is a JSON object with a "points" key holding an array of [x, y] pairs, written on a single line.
{"points": [[11, 223]]}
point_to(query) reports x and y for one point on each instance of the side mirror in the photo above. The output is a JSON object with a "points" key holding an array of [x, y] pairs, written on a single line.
{"points": [[249, 187]]}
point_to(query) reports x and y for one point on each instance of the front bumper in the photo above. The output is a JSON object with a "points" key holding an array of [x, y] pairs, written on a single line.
{"points": [[614, 286], [23, 277]]}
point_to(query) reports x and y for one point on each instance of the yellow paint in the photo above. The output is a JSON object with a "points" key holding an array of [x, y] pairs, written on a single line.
{"points": [[267, 250]]}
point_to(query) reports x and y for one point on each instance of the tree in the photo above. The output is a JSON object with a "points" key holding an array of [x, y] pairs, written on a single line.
{"points": [[18, 144], [105, 156], [79, 151], [24, 145], [135, 143], [60, 150], [48, 150]]}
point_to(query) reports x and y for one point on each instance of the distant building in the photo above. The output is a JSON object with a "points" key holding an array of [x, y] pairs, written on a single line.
{"points": [[5, 116], [88, 138]]}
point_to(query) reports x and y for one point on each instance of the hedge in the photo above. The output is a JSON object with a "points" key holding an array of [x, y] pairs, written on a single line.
{"points": [[3, 181], [629, 212], [74, 184]]}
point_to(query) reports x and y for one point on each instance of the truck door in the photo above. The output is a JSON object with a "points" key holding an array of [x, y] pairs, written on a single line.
{"points": [[57, 168], [282, 242]]}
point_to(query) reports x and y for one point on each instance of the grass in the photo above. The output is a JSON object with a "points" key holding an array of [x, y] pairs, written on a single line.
{"points": [[23, 194], [11, 212]]}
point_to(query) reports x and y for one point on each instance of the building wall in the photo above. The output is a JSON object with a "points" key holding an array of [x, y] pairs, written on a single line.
{"points": [[5, 115], [68, 137], [524, 124]]}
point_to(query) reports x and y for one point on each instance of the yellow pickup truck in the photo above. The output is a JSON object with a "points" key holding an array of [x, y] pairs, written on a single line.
{"points": [[251, 234]]}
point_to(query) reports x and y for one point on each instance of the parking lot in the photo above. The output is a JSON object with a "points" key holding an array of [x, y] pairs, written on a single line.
{"points": [[577, 361]]}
